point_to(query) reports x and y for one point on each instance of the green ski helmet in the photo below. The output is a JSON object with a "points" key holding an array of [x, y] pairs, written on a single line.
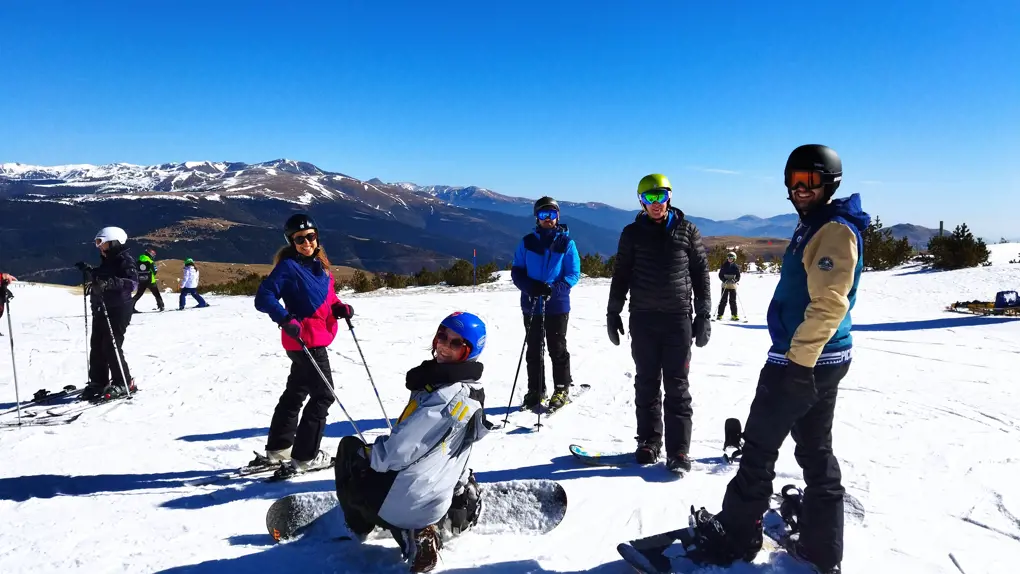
{"points": [[189, 261], [653, 181]]}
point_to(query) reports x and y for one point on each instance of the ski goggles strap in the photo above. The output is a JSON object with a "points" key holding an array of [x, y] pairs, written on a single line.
{"points": [[654, 196]]}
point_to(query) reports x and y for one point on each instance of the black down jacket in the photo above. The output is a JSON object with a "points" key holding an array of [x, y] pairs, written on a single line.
{"points": [[662, 265], [118, 268]]}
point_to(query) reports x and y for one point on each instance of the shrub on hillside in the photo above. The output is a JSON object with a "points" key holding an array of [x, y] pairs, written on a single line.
{"points": [[881, 250], [246, 285], [360, 282], [958, 250]]}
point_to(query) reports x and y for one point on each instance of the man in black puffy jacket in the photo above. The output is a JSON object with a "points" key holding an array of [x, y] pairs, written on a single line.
{"points": [[661, 261]]}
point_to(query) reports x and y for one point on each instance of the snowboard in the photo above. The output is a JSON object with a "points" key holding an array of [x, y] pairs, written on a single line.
{"points": [[508, 507]]}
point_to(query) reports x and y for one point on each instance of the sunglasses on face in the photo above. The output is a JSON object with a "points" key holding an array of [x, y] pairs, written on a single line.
{"points": [[547, 214], [654, 196], [301, 239], [454, 343]]}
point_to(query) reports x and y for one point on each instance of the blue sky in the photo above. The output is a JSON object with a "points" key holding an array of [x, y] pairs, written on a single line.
{"points": [[573, 99]]}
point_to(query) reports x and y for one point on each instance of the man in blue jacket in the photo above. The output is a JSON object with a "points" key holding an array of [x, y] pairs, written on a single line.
{"points": [[545, 267], [809, 323]]}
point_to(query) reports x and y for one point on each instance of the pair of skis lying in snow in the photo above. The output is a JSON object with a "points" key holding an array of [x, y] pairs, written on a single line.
{"points": [[69, 408]]}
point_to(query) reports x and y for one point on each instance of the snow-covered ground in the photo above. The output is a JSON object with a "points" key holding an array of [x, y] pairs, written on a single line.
{"points": [[927, 433]]}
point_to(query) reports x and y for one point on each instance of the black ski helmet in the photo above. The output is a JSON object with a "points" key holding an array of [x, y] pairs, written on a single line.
{"points": [[819, 158], [297, 222], [545, 203]]}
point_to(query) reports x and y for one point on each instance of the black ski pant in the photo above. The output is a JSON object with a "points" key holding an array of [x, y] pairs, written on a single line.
{"points": [[152, 287], [551, 329], [777, 411], [360, 489], [285, 430], [105, 359], [732, 295], [661, 347]]}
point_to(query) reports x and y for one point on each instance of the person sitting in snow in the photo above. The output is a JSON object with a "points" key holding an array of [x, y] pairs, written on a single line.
{"points": [[729, 274], [415, 482], [308, 319], [189, 284]]}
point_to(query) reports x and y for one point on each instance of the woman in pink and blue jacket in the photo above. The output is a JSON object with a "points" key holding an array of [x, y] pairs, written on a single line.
{"points": [[302, 278]]}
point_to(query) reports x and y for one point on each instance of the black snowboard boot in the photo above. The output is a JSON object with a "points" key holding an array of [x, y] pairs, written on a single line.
{"points": [[647, 452], [714, 545], [679, 463]]}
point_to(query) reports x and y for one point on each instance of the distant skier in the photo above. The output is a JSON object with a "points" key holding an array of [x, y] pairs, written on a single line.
{"points": [[5, 280], [809, 322], [147, 278], [189, 284], [729, 274], [302, 277], [111, 283], [545, 267], [661, 261], [415, 482]]}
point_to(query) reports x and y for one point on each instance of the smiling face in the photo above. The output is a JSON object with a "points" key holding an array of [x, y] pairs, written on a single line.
{"points": [[305, 241], [450, 347], [803, 198]]}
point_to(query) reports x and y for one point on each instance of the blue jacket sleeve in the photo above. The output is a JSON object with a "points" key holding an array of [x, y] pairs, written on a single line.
{"points": [[519, 269], [267, 298], [570, 271]]}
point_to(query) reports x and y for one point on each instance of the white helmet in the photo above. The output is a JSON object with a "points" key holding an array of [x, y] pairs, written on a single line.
{"points": [[111, 234], [731, 254]]}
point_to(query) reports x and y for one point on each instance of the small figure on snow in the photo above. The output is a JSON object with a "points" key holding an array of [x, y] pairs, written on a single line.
{"points": [[302, 277], [415, 482], [661, 261], [109, 287], [189, 284], [147, 278], [809, 322], [729, 274], [546, 265], [7, 278]]}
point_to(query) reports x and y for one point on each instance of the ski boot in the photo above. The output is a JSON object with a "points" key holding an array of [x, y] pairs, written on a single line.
{"points": [[559, 399], [679, 463], [712, 544], [295, 467], [271, 458], [719, 318], [532, 400], [647, 452], [734, 318]]}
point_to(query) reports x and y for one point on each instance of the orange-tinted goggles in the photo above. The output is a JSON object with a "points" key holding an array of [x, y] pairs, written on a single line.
{"points": [[809, 179]]}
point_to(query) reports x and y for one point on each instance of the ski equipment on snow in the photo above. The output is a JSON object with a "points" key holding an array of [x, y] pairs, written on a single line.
{"points": [[733, 444]]}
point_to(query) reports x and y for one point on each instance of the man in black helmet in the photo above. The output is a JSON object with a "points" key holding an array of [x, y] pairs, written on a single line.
{"points": [[661, 262], [809, 322], [545, 267]]}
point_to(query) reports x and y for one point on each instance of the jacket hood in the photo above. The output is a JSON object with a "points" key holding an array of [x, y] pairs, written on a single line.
{"points": [[849, 208]]}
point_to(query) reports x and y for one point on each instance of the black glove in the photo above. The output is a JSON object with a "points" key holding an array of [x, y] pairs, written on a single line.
{"points": [[701, 332], [291, 326], [86, 269], [100, 285], [539, 289], [615, 326], [342, 311], [799, 381]]}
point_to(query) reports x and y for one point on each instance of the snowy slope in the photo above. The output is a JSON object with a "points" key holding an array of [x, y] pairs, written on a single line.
{"points": [[926, 432]]}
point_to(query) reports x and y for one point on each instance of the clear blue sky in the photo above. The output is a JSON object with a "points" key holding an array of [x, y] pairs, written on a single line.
{"points": [[573, 99]]}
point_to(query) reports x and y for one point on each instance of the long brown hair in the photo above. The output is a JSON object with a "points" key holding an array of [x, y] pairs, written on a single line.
{"points": [[291, 252]]}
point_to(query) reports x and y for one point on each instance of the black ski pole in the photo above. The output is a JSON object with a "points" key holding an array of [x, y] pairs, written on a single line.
{"points": [[10, 331], [531, 319], [370, 380], [116, 347], [325, 381]]}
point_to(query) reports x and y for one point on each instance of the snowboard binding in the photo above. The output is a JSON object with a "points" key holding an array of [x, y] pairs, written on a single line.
{"points": [[791, 501], [733, 444]]}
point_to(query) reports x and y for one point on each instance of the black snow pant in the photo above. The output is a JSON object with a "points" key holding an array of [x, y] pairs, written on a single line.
{"points": [[732, 295], [360, 490], [152, 287], [104, 359], [778, 411], [303, 382], [551, 329], [661, 347]]}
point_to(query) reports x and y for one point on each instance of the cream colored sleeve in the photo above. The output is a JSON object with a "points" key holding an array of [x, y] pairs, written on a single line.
{"points": [[830, 259]]}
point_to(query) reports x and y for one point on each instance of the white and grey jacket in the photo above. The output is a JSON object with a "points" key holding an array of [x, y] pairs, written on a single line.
{"points": [[431, 443]]}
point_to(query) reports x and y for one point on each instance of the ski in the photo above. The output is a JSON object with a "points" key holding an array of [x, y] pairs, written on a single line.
{"points": [[262, 465], [287, 472], [42, 397], [82, 406], [40, 422], [576, 391]]}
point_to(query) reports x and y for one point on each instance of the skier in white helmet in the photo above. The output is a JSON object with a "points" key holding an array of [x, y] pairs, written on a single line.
{"points": [[110, 286]]}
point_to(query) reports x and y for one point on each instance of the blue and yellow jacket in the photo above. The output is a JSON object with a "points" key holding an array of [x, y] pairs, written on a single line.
{"points": [[547, 256], [809, 317]]}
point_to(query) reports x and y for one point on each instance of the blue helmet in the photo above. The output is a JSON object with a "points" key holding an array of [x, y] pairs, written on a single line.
{"points": [[470, 327]]}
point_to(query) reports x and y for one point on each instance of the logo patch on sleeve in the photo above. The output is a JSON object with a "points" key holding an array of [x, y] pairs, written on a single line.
{"points": [[825, 264]]}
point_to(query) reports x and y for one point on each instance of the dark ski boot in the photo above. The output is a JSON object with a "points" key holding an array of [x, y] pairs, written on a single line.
{"points": [[647, 452], [532, 400], [712, 544], [679, 463]]}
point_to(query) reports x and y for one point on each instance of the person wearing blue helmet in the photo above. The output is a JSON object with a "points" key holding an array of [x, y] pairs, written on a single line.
{"points": [[415, 482]]}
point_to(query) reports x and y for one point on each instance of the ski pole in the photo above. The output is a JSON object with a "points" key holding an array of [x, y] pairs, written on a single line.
{"points": [[85, 305], [370, 380], [531, 319], [743, 310], [538, 424], [116, 347], [325, 381], [10, 330]]}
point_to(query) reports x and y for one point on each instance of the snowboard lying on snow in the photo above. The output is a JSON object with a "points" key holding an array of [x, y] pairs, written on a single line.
{"points": [[508, 507]]}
